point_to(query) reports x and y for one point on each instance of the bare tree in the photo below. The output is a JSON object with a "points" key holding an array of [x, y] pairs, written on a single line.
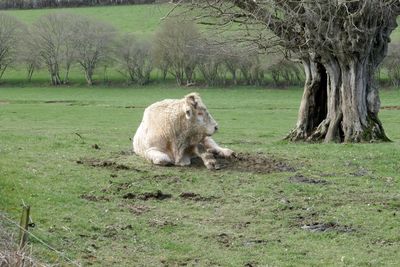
{"points": [[145, 63], [135, 59], [51, 38], [69, 54], [29, 55], [340, 43], [175, 47], [283, 71], [210, 62], [10, 34], [91, 41], [230, 55]]}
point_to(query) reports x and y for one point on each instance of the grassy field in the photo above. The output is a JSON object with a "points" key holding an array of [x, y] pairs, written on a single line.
{"points": [[66, 152], [141, 20], [283, 204]]}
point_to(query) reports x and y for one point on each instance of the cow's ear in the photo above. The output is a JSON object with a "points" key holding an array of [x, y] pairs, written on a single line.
{"points": [[188, 113], [191, 99]]}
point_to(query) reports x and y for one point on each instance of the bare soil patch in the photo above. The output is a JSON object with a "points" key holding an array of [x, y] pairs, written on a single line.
{"points": [[391, 107], [138, 209], [224, 239], [94, 198], [157, 195], [60, 101], [325, 227], [299, 178], [242, 162], [195, 196], [110, 164], [254, 163]]}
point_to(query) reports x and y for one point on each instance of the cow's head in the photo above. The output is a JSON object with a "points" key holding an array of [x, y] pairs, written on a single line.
{"points": [[196, 112]]}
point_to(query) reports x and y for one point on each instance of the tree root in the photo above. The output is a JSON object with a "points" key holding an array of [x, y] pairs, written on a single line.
{"points": [[374, 132]]}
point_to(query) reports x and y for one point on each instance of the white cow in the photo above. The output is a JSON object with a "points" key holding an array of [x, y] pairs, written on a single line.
{"points": [[174, 131]]}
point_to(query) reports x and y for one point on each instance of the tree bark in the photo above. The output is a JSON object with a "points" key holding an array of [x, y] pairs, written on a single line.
{"points": [[340, 101]]}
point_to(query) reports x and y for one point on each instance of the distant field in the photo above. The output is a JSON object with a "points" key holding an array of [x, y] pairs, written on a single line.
{"points": [[142, 20], [139, 19], [322, 205]]}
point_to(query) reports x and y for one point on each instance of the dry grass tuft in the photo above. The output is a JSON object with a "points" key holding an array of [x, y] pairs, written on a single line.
{"points": [[10, 254]]}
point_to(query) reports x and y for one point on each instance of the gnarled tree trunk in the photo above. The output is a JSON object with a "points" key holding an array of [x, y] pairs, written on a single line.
{"points": [[341, 44], [340, 101]]}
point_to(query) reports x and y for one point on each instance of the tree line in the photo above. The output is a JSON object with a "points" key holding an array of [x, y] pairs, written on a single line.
{"points": [[30, 4], [57, 42]]}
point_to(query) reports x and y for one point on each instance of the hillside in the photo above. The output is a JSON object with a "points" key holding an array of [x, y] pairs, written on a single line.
{"points": [[138, 19]]}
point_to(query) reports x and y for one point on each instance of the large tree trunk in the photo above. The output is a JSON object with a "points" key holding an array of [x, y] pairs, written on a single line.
{"points": [[340, 101]]}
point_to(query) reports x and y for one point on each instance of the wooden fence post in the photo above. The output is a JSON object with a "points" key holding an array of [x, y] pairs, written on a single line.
{"points": [[23, 230]]}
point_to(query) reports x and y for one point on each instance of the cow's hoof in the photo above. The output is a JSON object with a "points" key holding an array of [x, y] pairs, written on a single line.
{"points": [[227, 153], [212, 165]]}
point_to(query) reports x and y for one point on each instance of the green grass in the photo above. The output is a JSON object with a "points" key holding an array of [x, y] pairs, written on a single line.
{"points": [[141, 20], [255, 218]]}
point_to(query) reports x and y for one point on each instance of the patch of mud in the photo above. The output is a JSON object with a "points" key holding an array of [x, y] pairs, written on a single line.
{"points": [[60, 101], [299, 178], [128, 152], [110, 164], [195, 196], [122, 186], [168, 178], [255, 163], [391, 107], [138, 209], [224, 239], [113, 230], [94, 198], [325, 227], [4, 102], [95, 146], [360, 172], [157, 195]]}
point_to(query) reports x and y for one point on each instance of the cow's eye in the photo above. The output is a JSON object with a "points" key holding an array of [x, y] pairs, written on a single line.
{"points": [[200, 114]]}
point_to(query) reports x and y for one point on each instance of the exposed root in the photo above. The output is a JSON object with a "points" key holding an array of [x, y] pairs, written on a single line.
{"points": [[326, 132], [297, 134], [321, 131]]}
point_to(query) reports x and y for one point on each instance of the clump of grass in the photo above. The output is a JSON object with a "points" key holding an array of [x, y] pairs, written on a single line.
{"points": [[10, 254]]}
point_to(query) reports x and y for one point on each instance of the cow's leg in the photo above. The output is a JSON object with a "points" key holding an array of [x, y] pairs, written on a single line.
{"points": [[158, 157], [212, 147], [184, 160], [207, 157]]}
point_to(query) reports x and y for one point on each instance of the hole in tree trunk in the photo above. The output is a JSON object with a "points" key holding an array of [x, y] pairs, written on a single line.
{"points": [[320, 99]]}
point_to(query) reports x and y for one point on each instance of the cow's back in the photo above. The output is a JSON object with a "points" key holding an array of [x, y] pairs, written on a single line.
{"points": [[158, 125]]}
